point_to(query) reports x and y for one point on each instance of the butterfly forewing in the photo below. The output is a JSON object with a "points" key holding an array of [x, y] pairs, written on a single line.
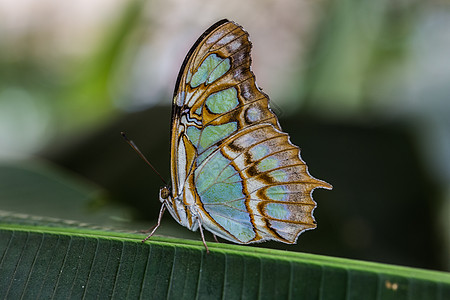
{"points": [[233, 168]]}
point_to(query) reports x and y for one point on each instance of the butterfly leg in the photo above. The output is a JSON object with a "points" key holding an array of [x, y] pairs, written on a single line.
{"points": [[161, 212], [201, 233], [215, 238]]}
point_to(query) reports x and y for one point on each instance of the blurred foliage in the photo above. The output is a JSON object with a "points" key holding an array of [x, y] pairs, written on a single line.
{"points": [[89, 95], [65, 99], [355, 42], [360, 115]]}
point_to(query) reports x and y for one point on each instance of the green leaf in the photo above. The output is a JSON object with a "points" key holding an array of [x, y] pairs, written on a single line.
{"points": [[60, 263], [40, 188]]}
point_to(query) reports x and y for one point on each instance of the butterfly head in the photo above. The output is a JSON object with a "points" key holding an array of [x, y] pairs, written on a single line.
{"points": [[180, 212], [164, 194], [166, 198]]}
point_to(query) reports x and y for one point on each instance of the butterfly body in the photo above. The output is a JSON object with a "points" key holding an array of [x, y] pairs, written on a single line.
{"points": [[234, 172]]}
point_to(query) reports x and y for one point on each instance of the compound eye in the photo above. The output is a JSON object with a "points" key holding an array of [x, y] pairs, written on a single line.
{"points": [[164, 192]]}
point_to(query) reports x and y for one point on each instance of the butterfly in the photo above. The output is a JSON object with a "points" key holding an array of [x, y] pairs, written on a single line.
{"points": [[234, 171]]}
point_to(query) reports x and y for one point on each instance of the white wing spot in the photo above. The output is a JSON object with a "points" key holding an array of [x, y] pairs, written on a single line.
{"points": [[246, 92], [238, 74], [181, 165], [214, 37], [234, 45], [253, 114], [180, 98], [226, 40]]}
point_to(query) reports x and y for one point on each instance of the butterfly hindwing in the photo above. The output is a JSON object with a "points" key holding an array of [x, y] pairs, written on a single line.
{"points": [[232, 166]]}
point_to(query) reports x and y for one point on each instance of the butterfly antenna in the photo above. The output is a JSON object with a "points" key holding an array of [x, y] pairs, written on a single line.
{"points": [[135, 148]]}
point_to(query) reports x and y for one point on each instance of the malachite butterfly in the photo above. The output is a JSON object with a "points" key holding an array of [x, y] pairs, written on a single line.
{"points": [[234, 171]]}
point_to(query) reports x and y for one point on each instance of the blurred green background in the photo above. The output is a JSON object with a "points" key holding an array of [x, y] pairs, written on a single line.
{"points": [[363, 87]]}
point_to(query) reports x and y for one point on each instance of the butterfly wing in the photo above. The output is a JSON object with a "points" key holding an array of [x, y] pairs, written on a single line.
{"points": [[232, 166]]}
